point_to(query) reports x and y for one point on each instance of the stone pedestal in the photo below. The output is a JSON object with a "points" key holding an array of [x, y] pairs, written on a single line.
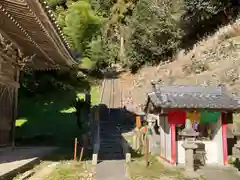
{"points": [[189, 158]]}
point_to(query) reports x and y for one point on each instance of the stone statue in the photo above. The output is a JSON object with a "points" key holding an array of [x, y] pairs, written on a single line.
{"points": [[188, 124]]}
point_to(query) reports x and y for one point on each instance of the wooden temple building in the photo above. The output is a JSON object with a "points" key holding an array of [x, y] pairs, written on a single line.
{"points": [[30, 39], [208, 108]]}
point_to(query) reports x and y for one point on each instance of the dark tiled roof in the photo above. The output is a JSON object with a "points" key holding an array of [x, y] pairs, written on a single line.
{"points": [[192, 97]]}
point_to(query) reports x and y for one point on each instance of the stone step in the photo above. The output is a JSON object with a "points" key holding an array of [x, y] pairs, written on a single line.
{"points": [[111, 156], [111, 122], [110, 141], [110, 133], [106, 135], [106, 143], [105, 149], [109, 152], [110, 146], [108, 130]]}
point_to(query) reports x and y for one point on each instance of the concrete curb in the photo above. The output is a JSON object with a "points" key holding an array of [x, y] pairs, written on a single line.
{"points": [[22, 169], [27, 166], [126, 150], [96, 148]]}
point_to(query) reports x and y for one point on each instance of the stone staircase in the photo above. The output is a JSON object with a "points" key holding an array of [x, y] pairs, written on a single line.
{"points": [[111, 161], [110, 135]]}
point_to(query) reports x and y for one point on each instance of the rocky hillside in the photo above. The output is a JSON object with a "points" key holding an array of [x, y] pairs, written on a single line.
{"points": [[214, 60]]}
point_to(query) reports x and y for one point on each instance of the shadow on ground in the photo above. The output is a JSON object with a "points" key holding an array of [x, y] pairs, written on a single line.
{"points": [[49, 119]]}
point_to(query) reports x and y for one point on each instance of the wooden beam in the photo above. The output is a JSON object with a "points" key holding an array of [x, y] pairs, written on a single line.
{"points": [[49, 26], [26, 16], [8, 17]]}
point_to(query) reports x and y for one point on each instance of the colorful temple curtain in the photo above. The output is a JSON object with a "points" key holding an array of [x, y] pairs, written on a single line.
{"points": [[194, 116], [203, 116], [209, 116], [177, 117]]}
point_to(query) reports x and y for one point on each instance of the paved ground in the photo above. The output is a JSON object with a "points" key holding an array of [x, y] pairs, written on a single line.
{"points": [[11, 162], [111, 164], [219, 173]]}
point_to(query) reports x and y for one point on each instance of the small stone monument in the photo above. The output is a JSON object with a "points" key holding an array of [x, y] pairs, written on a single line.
{"points": [[189, 135]]}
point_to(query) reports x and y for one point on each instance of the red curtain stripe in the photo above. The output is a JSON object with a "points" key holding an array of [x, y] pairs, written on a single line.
{"points": [[177, 117]]}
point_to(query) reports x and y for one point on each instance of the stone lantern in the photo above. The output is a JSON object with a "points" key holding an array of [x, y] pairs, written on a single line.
{"points": [[189, 135]]}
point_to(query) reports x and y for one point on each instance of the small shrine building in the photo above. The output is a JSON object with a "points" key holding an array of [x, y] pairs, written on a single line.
{"points": [[208, 108]]}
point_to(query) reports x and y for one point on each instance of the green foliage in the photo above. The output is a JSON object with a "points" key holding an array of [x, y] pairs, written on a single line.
{"points": [[156, 34], [81, 24], [61, 18], [102, 6], [98, 52], [202, 17], [157, 29], [153, 30], [52, 3], [204, 9]]}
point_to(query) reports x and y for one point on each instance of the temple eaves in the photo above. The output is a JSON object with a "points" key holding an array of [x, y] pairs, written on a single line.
{"points": [[32, 27]]}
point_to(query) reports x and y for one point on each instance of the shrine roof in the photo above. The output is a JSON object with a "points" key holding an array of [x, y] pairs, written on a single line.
{"points": [[192, 96], [32, 27]]}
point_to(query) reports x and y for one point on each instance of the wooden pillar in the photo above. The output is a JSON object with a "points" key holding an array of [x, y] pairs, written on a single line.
{"points": [[137, 136], [15, 107], [96, 114], [173, 143], [138, 122], [146, 150], [75, 152], [224, 139]]}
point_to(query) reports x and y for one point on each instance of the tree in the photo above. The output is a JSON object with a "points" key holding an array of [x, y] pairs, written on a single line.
{"points": [[102, 6], [205, 16], [155, 31], [81, 24]]}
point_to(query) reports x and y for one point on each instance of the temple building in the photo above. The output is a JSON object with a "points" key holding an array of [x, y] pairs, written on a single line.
{"points": [[208, 109], [30, 40]]}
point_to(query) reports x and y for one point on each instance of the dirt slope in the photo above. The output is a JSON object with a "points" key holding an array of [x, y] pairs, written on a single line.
{"points": [[214, 60]]}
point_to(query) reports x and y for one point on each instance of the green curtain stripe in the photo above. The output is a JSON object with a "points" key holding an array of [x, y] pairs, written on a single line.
{"points": [[209, 116]]}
